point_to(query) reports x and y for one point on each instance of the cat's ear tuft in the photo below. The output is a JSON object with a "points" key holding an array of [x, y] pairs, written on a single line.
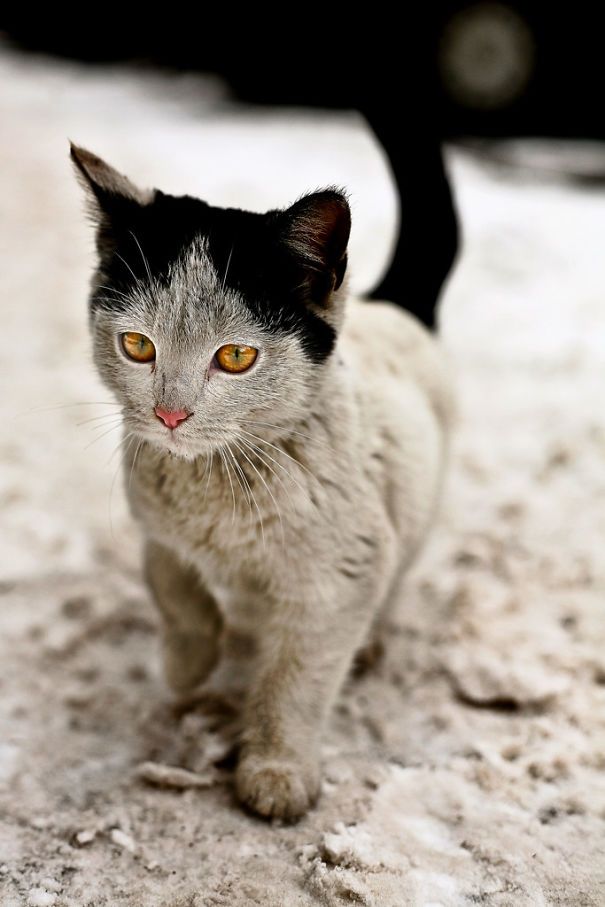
{"points": [[113, 202], [317, 229], [103, 181]]}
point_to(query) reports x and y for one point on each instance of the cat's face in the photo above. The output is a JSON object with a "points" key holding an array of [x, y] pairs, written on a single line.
{"points": [[190, 326], [209, 324]]}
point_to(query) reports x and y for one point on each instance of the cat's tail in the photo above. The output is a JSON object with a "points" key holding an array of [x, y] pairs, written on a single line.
{"points": [[428, 239]]}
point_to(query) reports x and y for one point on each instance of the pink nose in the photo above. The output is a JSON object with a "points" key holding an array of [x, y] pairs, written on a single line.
{"points": [[171, 419]]}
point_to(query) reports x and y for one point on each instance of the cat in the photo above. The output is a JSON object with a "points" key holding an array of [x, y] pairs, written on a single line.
{"points": [[284, 443]]}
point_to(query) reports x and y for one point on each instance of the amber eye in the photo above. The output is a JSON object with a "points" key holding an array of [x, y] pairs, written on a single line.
{"points": [[138, 347], [235, 358]]}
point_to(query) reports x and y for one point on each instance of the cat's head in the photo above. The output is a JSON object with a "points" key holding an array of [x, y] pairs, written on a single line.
{"points": [[206, 320]]}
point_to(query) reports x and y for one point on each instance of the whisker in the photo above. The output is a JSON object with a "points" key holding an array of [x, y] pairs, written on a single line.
{"points": [[125, 449], [226, 465], [110, 299], [105, 416], [291, 431], [102, 286], [119, 445], [43, 409], [206, 464], [260, 516], [116, 422], [103, 434], [136, 279], [238, 469], [278, 511], [280, 450], [261, 455], [110, 420], [226, 270], [209, 474], [134, 460], [146, 263]]}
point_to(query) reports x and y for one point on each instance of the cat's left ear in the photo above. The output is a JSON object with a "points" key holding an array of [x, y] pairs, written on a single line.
{"points": [[316, 231]]}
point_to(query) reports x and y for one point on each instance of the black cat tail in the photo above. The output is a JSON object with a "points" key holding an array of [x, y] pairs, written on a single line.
{"points": [[428, 239]]}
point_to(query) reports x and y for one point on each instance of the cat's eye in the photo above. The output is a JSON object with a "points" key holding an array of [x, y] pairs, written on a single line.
{"points": [[234, 357], [138, 347]]}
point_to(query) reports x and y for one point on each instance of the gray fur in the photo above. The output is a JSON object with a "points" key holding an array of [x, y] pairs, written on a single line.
{"points": [[299, 543]]}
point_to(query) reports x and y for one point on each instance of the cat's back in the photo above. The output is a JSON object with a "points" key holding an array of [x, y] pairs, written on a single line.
{"points": [[389, 349]]}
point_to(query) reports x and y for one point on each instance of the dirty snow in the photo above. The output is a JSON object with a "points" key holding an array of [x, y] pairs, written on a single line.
{"points": [[469, 767]]}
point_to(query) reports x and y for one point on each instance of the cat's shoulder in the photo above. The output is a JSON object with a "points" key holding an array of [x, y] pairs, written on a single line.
{"points": [[369, 321], [386, 342]]}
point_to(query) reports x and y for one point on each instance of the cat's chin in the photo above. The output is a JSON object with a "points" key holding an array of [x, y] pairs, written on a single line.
{"points": [[180, 449]]}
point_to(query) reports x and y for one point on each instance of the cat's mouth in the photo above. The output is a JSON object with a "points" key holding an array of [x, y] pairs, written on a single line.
{"points": [[179, 441]]}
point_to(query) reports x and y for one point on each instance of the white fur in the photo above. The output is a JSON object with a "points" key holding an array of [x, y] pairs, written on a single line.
{"points": [[288, 504], [308, 568]]}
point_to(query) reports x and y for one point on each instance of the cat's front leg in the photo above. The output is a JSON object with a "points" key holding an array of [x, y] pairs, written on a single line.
{"points": [[190, 617], [308, 648]]}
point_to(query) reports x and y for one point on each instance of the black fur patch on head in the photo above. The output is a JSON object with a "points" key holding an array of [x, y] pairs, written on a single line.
{"points": [[284, 264]]}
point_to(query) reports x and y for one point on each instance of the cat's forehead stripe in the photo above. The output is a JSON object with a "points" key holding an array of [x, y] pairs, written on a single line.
{"points": [[202, 260]]}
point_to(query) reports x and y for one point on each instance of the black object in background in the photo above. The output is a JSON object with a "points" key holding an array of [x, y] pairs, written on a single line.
{"points": [[480, 68]]}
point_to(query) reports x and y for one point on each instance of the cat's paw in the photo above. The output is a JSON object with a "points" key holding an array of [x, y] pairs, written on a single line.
{"points": [[188, 659], [280, 787]]}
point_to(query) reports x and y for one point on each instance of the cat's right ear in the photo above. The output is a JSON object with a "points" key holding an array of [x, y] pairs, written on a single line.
{"points": [[112, 199]]}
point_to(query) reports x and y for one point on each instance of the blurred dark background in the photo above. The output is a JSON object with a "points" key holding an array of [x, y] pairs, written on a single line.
{"points": [[481, 69], [485, 68]]}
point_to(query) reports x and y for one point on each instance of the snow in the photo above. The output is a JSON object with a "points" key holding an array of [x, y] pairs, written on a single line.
{"points": [[468, 767]]}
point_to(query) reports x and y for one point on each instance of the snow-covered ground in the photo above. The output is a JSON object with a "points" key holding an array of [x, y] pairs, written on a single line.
{"points": [[469, 767]]}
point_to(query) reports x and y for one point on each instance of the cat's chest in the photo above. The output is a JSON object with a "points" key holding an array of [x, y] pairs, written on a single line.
{"points": [[183, 501]]}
